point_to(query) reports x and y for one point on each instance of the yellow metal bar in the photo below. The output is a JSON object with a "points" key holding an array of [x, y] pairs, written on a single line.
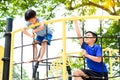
{"points": [[31, 26], [57, 71], [1, 62], [113, 50], [11, 56], [73, 53], [82, 18], [110, 54], [64, 49]]}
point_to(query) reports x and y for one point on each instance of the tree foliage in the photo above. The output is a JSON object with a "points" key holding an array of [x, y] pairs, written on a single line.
{"points": [[109, 6], [112, 33]]}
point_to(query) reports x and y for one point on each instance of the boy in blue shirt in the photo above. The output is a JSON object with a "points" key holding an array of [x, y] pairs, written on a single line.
{"points": [[93, 55], [43, 36]]}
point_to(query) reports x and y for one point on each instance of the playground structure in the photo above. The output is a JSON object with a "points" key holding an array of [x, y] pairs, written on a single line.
{"points": [[9, 63], [1, 62]]}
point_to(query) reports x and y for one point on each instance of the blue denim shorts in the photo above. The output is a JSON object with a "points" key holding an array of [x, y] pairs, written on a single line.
{"points": [[47, 38]]}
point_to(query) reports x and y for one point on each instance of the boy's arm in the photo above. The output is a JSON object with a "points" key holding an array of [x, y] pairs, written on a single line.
{"points": [[78, 31], [24, 30], [39, 28], [93, 58]]}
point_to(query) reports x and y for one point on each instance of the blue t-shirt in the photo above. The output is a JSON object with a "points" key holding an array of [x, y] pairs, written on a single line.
{"points": [[95, 50], [43, 31]]}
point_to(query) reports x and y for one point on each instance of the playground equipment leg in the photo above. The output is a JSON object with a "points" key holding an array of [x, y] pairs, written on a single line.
{"points": [[6, 59]]}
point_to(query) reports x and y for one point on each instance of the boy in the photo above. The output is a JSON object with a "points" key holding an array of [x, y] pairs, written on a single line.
{"points": [[42, 36], [93, 55]]}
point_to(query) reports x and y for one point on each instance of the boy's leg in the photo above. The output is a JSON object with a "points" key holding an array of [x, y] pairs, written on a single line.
{"points": [[45, 40], [94, 75], [43, 48], [79, 73], [35, 50]]}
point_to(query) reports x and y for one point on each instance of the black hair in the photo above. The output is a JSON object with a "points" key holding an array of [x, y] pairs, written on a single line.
{"points": [[93, 34], [29, 14]]}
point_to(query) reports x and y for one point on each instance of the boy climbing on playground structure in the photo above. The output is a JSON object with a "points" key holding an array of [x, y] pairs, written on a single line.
{"points": [[43, 34], [93, 56]]}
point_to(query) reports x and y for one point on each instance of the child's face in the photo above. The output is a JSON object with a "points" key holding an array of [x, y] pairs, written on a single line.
{"points": [[33, 20], [89, 40]]}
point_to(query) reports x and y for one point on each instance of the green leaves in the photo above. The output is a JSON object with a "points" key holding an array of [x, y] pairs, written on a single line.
{"points": [[111, 31]]}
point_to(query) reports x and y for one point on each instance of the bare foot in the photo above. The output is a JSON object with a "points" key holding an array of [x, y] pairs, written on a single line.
{"points": [[40, 59], [33, 60]]}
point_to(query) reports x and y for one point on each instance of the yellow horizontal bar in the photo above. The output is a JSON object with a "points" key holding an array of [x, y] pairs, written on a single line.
{"points": [[109, 49], [82, 18], [31, 26], [117, 60], [73, 53]]}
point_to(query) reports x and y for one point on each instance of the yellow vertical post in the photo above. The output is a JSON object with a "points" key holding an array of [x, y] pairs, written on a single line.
{"points": [[11, 56], [64, 49], [110, 54], [1, 62], [57, 71]]}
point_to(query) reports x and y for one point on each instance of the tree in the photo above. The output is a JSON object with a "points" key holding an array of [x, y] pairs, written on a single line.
{"points": [[106, 5]]}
